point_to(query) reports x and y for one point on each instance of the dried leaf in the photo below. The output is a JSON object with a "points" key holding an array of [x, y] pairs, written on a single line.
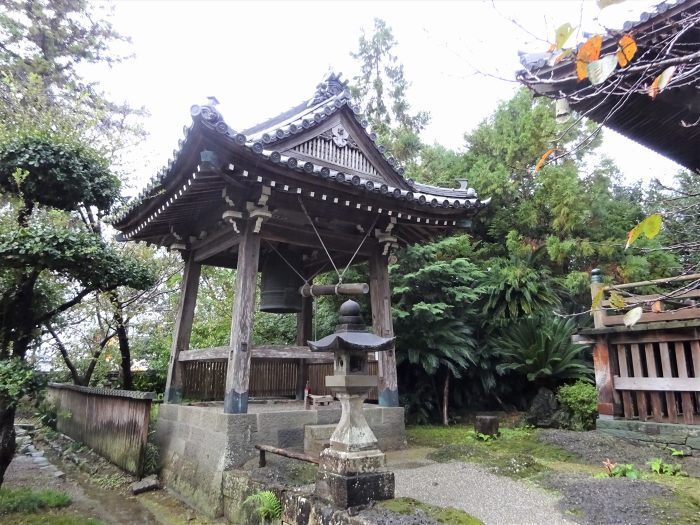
{"points": [[633, 316], [628, 48], [600, 70], [587, 53], [650, 227], [657, 307], [563, 33], [543, 158], [597, 299], [661, 81], [617, 301]]}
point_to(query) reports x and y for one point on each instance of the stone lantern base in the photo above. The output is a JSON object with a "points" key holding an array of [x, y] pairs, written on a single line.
{"points": [[351, 490]]}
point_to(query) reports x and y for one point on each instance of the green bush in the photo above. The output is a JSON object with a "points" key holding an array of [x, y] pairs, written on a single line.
{"points": [[580, 399], [26, 500]]}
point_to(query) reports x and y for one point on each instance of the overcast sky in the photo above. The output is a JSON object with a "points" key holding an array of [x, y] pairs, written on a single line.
{"points": [[259, 58]]}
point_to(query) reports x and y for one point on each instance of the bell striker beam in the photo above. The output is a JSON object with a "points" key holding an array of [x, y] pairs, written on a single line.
{"points": [[380, 298], [183, 327], [238, 371]]}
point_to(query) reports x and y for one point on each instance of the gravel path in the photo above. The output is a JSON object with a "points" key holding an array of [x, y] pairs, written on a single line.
{"points": [[495, 500]]}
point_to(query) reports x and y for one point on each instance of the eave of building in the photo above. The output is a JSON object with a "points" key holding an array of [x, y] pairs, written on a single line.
{"points": [[654, 123]]}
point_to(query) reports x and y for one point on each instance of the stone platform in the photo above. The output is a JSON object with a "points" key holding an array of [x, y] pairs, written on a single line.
{"points": [[670, 434], [198, 444]]}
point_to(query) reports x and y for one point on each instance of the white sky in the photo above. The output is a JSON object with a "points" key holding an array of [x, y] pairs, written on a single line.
{"points": [[260, 58]]}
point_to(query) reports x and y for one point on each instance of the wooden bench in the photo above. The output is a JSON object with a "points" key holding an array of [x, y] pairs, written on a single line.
{"points": [[319, 401]]}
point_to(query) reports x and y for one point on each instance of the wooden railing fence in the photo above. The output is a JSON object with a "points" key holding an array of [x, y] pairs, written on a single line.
{"points": [[114, 423], [205, 380], [649, 371]]}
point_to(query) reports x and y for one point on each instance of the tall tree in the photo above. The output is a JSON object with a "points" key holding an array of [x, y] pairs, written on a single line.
{"points": [[49, 182], [381, 87]]}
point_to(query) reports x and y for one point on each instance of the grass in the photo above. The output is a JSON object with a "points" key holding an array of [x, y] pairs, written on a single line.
{"points": [[111, 481], [26, 500], [448, 516]]}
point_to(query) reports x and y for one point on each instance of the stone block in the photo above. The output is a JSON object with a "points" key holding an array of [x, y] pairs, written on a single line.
{"points": [[146, 484], [373, 414], [693, 442], [351, 491], [325, 416], [676, 434], [290, 438], [393, 416]]}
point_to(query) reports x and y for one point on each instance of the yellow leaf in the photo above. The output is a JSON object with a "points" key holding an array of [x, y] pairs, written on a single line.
{"points": [[587, 53], [563, 33], [631, 317], [661, 81], [628, 48], [617, 301], [597, 299], [650, 227], [543, 158]]}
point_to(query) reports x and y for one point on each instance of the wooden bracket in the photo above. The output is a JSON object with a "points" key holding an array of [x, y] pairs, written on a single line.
{"points": [[232, 216]]}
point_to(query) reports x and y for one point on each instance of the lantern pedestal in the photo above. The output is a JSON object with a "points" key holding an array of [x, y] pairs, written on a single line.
{"points": [[352, 471]]}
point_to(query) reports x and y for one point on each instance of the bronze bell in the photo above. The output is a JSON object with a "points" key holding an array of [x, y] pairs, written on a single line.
{"points": [[279, 284]]}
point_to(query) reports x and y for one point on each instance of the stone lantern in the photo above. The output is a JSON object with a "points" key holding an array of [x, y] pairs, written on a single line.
{"points": [[352, 469]]}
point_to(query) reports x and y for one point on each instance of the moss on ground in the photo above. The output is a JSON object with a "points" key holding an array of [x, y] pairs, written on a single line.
{"points": [[448, 516], [516, 452]]}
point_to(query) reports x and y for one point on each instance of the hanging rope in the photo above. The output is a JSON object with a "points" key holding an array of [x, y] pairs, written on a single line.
{"points": [[323, 245]]}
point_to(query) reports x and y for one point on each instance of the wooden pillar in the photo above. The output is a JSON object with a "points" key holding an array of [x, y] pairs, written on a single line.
{"points": [[597, 296], [238, 372], [603, 378], [304, 333], [183, 327], [380, 297]]}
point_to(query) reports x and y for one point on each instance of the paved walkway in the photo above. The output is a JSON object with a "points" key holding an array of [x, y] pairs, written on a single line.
{"points": [[495, 500]]}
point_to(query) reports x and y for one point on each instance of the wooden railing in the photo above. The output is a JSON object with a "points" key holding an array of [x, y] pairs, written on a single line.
{"points": [[649, 371], [274, 372], [114, 423], [679, 301]]}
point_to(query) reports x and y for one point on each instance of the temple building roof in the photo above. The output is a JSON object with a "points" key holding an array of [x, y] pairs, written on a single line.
{"points": [[668, 123], [320, 155]]}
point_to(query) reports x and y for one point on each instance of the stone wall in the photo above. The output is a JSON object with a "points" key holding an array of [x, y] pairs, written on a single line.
{"points": [[199, 444], [666, 433]]}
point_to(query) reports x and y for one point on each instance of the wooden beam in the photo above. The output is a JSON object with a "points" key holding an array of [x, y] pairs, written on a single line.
{"points": [[334, 241], [380, 297], [220, 353], [238, 371], [650, 317], [220, 242], [658, 384], [183, 327]]}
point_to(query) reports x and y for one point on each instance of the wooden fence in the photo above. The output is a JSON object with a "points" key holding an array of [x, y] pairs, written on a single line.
{"points": [[205, 380], [649, 371], [114, 423]]}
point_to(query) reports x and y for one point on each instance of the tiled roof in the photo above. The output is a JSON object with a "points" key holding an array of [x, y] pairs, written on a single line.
{"points": [[330, 98]]}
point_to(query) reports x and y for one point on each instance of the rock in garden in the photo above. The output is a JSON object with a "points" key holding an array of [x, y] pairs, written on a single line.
{"points": [[146, 484], [59, 475], [543, 409]]}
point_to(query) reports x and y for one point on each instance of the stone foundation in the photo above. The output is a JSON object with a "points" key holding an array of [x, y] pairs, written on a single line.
{"points": [[666, 433], [199, 444]]}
